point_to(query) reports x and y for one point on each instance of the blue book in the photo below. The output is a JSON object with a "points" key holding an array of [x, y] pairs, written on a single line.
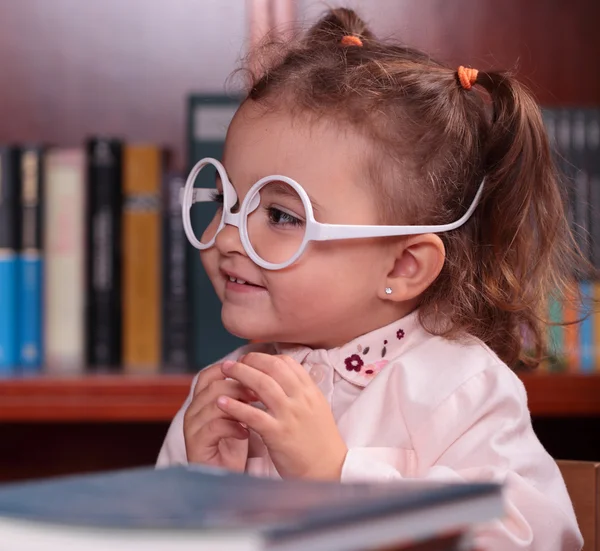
{"points": [[587, 342], [9, 247], [30, 267], [200, 508], [9, 349]]}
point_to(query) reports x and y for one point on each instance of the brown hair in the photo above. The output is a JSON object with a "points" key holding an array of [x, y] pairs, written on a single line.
{"points": [[439, 140]]}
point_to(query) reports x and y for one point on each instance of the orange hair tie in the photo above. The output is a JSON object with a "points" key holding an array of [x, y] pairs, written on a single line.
{"points": [[467, 77], [351, 40]]}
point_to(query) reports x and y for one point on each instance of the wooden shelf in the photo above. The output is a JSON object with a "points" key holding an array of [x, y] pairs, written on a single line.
{"points": [[101, 398], [121, 398]]}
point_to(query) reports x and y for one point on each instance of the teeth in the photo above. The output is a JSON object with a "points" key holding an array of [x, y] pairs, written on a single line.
{"points": [[235, 280]]}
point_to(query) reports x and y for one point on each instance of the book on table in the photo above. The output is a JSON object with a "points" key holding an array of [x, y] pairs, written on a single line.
{"points": [[181, 508]]}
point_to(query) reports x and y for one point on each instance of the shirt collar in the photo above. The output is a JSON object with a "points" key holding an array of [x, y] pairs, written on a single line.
{"points": [[360, 360]]}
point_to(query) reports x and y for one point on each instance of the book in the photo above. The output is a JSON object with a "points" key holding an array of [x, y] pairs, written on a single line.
{"points": [[556, 361], [593, 164], [64, 260], [596, 325], [587, 341], [103, 246], [201, 508], [31, 262], [580, 180], [208, 119], [10, 227], [142, 243], [175, 312]]}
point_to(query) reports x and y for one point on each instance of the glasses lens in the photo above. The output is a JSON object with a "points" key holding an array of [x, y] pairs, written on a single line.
{"points": [[206, 214], [277, 222]]}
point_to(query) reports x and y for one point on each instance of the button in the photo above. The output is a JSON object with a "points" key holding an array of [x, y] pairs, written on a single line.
{"points": [[317, 373]]}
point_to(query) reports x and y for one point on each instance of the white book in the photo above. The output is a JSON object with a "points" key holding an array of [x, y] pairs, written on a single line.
{"points": [[64, 242]]}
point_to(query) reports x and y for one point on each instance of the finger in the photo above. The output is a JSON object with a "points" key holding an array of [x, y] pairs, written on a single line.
{"points": [[277, 368], [214, 390], [265, 387], [299, 370], [256, 419], [220, 428], [207, 376]]}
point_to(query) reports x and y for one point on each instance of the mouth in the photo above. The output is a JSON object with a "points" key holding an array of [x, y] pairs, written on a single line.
{"points": [[239, 281], [240, 285]]}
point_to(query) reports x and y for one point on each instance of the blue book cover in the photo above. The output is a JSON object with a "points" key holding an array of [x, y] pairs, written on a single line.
{"points": [[192, 504], [30, 262], [9, 247], [30, 270], [586, 330], [9, 349]]}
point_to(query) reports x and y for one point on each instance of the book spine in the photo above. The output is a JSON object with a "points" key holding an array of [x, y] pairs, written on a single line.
{"points": [[556, 337], [563, 155], [596, 325], [175, 303], [142, 170], [103, 270], [64, 261], [9, 250], [593, 165], [31, 262], [580, 181], [586, 328], [572, 352]]}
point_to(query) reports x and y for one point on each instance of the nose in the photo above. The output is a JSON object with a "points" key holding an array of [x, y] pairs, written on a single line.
{"points": [[228, 241]]}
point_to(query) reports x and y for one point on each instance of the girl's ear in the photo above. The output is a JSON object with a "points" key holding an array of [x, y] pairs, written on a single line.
{"points": [[416, 263]]}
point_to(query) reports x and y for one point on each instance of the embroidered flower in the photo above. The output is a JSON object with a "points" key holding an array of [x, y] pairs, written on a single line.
{"points": [[373, 369], [354, 363], [400, 334]]}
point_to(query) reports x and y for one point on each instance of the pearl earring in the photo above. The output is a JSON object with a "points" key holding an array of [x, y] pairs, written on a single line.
{"points": [[388, 290]]}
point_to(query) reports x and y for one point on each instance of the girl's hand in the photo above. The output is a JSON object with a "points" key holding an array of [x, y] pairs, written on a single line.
{"points": [[298, 429], [211, 436]]}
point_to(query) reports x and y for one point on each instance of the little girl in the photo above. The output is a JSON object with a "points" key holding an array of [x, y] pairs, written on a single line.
{"points": [[394, 228]]}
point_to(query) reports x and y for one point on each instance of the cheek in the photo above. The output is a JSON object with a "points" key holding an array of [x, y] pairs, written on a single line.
{"points": [[328, 275], [210, 261]]}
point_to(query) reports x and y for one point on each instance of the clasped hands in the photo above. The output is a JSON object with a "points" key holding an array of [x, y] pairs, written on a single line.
{"points": [[296, 426]]}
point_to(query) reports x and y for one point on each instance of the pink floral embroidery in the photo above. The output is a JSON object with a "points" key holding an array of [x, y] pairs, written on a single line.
{"points": [[400, 334], [373, 369], [354, 363]]}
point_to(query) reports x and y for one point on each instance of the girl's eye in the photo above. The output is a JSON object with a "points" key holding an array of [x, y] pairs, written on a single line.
{"points": [[278, 217], [216, 197]]}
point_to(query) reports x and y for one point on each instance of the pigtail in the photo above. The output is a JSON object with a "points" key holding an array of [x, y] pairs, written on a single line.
{"points": [[527, 252]]}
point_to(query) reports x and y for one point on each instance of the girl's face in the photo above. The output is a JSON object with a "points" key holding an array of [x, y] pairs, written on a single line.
{"points": [[331, 294]]}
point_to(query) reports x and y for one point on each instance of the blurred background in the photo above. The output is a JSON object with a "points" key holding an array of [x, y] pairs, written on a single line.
{"points": [[105, 104]]}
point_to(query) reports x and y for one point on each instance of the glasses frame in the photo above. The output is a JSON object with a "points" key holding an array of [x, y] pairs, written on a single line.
{"points": [[314, 231]]}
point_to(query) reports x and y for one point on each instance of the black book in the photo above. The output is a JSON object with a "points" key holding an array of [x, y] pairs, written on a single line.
{"points": [[103, 234], [581, 180], [10, 197], [175, 318], [593, 166], [200, 508]]}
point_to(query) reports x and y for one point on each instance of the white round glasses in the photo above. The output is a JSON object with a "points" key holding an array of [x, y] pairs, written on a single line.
{"points": [[275, 220]]}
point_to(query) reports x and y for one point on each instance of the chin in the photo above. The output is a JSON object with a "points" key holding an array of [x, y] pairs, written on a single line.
{"points": [[245, 328]]}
